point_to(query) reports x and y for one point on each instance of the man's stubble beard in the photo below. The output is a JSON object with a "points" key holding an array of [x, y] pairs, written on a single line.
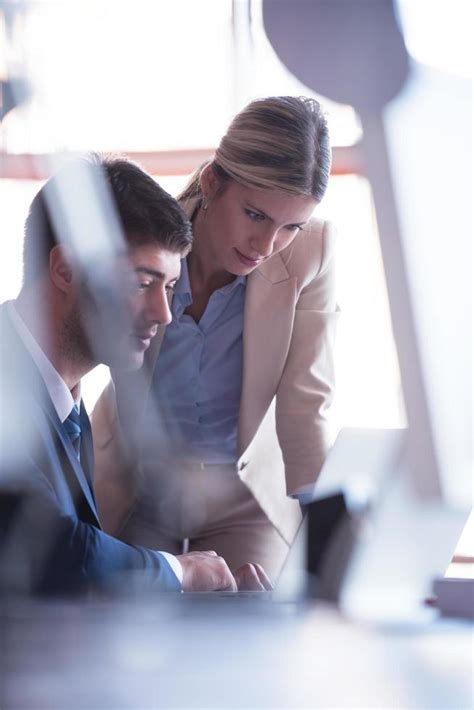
{"points": [[84, 341], [75, 342]]}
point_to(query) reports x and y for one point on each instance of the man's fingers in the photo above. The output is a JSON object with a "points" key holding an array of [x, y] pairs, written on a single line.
{"points": [[232, 585], [252, 577], [206, 572], [211, 553], [247, 579], [264, 579]]}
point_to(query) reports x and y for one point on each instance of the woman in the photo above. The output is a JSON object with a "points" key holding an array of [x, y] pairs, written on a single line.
{"points": [[222, 430]]}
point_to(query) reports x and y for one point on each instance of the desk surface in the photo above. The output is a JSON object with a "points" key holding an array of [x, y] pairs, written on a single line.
{"points": [[196, 653]]}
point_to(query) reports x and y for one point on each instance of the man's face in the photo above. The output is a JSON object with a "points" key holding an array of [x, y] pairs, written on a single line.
{"points": [[146, 276]]}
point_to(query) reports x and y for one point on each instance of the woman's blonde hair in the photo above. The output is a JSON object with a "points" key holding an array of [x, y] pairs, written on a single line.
{"points": [[278, 143]]}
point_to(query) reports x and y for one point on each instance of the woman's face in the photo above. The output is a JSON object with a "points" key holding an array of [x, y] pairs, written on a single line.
{"points": [[242, 226]]}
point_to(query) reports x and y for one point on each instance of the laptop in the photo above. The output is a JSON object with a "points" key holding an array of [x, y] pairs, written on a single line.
{"points": [[367, 542], [393, 543]]}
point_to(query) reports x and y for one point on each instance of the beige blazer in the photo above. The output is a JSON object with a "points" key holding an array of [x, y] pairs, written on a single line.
{"points": [[288, 384]]}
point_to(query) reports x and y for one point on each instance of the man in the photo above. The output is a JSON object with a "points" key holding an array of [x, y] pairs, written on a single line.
{"points": [[87, 297]]}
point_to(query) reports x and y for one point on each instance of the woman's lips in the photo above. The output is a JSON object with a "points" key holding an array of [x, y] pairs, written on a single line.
{"points": [[246, 260]]}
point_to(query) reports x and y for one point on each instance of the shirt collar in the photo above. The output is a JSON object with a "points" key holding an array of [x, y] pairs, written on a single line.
{"points": [[58, 390], [182, 297], [183, 287], [238, 281]]}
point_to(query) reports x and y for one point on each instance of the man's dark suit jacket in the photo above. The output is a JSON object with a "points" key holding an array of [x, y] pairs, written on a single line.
{"points": [[51, 540]]}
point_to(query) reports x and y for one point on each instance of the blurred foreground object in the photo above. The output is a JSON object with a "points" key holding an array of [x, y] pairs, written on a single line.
{"points": [[414, 152], [14, 87]]}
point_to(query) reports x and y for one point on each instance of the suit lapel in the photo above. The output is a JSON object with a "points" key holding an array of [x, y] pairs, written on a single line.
{"points": [[268, 319], [87, 449], [71, 459]]}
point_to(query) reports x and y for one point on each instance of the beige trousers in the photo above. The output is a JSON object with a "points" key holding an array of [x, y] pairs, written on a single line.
{"points": [[195, 507]]}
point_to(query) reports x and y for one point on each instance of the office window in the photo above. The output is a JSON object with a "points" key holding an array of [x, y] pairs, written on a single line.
{"points": [[172, 79]]}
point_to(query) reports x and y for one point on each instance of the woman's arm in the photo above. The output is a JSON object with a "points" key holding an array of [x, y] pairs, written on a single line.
{"points": [[306, 389]]}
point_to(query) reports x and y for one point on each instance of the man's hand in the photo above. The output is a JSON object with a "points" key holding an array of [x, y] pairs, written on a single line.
{"points": [[206, 572], [252, 577]]}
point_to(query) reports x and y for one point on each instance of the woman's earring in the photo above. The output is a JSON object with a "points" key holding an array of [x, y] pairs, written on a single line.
{"points": [[204, 204]]}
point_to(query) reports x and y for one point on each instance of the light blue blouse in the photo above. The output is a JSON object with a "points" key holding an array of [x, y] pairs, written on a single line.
{"points": [[198, 376]]}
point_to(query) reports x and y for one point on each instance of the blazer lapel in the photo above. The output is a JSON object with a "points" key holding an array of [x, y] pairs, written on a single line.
{"points": [[87, 449], [72, 460], [268, 319]]}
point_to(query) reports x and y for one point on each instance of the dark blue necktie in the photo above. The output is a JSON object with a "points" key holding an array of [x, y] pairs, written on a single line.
{"points": [[73, 427]]}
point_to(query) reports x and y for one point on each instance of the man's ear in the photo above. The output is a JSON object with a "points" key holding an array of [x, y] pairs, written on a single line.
{"points": [[209, 182], [61, 271]]}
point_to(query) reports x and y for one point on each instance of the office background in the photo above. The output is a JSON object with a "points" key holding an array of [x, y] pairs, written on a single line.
{"points": [[161, 81]]}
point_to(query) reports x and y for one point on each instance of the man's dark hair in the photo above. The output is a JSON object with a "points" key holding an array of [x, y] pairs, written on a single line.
{"points": [[147, 213]]}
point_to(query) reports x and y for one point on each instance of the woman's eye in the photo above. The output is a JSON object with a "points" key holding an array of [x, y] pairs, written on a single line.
{"points": [[144, 285], [255, 216], [293, 227], [170, 288]]}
